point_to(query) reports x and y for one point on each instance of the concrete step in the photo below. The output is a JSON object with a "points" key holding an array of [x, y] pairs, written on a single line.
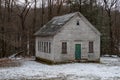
{"points": [[82, 60]]}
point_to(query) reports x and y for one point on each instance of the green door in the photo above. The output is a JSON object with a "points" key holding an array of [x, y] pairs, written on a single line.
{"points": [[77, 51]]}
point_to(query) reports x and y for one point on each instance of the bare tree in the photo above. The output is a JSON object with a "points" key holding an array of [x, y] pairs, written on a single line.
{"points": [[0, 8], [59, 4], [43, 12], [108, 7], [50, 7], [22, 14], [116, 29], [80, 5], [3, 20], [35, 13]]}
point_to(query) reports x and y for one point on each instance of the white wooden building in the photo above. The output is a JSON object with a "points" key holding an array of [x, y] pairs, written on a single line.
{"points": [[69, 37]]}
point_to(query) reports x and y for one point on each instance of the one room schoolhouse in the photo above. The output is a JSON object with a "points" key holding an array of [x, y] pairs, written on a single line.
{"points": [[69, 37]]}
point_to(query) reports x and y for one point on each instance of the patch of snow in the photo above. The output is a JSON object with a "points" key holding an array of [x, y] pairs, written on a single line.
{"points": [[106, 55], [108, 69], [114, 56]]}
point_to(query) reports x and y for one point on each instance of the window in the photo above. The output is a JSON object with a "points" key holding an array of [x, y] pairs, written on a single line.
{"points": [[49, 48], [78, 22], [91, 47], [64, 47], [41, 46], [38, 45], [44, 47]]}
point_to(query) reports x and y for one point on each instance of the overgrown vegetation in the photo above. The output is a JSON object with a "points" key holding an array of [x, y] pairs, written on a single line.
{"points": [[19, 21], [5, 62]]}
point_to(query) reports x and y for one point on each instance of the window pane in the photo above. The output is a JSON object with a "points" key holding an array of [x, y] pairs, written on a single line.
{"points": [[49, 47], [38, 45], [46, 47], [42, 47], [64, 47], [91, 47]]}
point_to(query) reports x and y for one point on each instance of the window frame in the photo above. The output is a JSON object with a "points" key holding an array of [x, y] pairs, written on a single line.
{"points": [[64, 48], [44, 46], [49, 47], [38, 46], [91, 47]]}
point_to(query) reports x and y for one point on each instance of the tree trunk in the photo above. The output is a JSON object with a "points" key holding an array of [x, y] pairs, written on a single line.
{"points": [[111, 34], [42, 15], [49, 9], [80, 7]]}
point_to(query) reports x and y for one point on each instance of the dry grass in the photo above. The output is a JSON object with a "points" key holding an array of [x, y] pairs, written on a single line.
{"points": [[5, 62]]}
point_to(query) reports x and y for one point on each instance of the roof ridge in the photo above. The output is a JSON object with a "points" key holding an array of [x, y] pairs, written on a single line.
{"points": [[56, 23], [65, 15]]}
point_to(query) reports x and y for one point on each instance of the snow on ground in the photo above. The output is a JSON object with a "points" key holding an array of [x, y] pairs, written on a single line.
{"points": [[108, 69]]}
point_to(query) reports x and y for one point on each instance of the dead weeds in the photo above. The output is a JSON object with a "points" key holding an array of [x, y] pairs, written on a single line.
{"points": [[6, 62]]}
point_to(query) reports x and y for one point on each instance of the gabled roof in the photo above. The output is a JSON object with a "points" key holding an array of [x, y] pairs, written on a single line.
{"points": [[54, 25]]}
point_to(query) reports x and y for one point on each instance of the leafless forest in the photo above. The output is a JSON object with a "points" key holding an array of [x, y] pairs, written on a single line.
{"points": [[19, 20]]}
